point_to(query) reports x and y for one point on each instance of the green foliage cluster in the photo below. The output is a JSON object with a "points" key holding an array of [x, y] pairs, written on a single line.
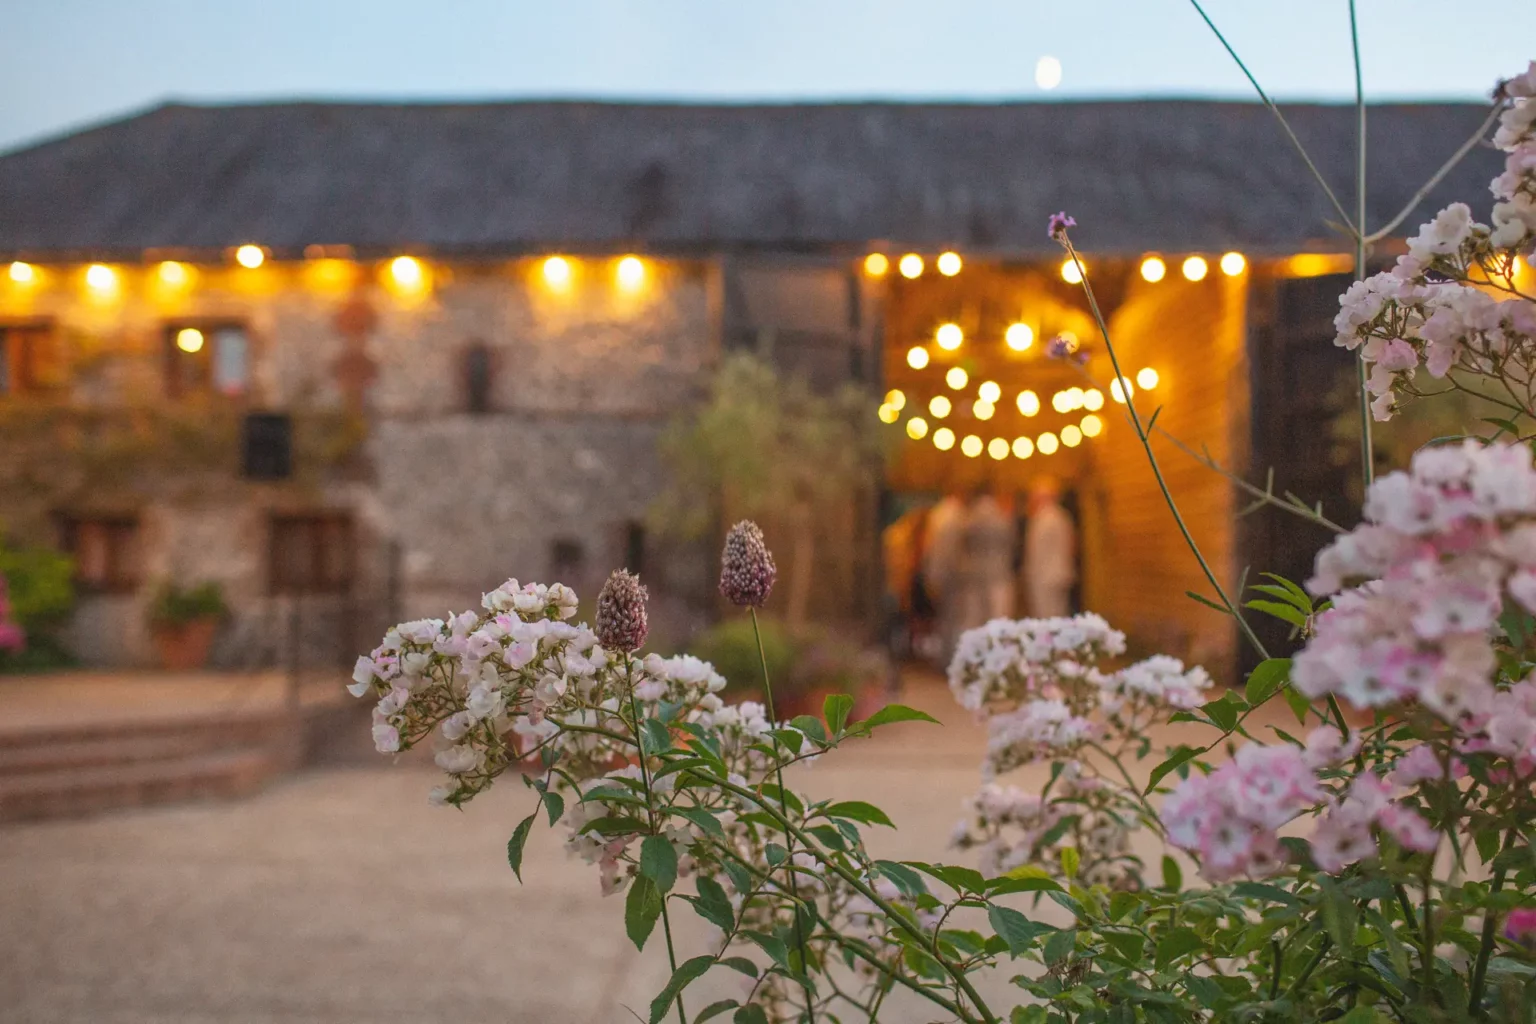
{"points": [[176, 605]]}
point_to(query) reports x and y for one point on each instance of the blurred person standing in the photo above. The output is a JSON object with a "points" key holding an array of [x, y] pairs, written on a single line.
{"points": [[1050, 553]]}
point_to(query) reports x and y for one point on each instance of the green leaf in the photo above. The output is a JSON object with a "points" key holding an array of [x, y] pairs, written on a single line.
{"points": [[702, 818], [712, 903], [1300, 604], [715, 1010], [1266, 679], [750, 1014], [775, 853], [554, 803], [774, 947], [1173, 877], [1264, 891], [740, 964], [685, 973], [1298, 702], [961, 879], [658, 862], [1127, 944], [655, 736], [1069, 861], [895, 713], [1223, 713], [858, 810], [835, 710], [1175, 943], [1060, 945], [904, 878], [811, 727], [1299, 597], [1183, 752], [1202, 599], [515, 844], [613, 825], [679, 765], [1011, 884], [1285, 612], [641, 909], [1015, 929]]}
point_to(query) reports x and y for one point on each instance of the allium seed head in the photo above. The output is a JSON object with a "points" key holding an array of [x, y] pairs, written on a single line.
{"points": [[747, 571], [621, 619]]}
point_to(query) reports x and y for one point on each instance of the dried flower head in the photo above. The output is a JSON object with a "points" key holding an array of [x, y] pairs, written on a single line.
{"points": [[747, 571], [1057, 227], [621, 619]]}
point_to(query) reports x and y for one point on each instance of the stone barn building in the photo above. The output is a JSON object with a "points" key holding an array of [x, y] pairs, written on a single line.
{"points": [[362, 360]]}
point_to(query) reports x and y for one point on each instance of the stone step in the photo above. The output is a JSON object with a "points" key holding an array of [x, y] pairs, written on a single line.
{"points": [[76, 791], [128, 749], [232, 729]]}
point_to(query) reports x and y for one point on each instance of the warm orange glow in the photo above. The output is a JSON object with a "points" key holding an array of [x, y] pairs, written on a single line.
{"points": [[557, 272], [1195, 268], [917, 428], [100, 278], [949, 336], [1072, 275], [997, 448], [630, 273], [250, 256], [407, 273], [971, 446], [1146, 378], [1316, 264], [948, 263], [189, 339], [943, 439], [956, 378], [939, 407], [1046, 443], [888, 414], [1153, 269], [911, 266], [173, 274], [1019, 336], [983, 409], [1233, 264], [917, 357], [896, 399], [1092, 426], [22, 273], [1071, 436], [1023, 447], [1029, 403], [876, 265], [990, 391], [1120, 390]]}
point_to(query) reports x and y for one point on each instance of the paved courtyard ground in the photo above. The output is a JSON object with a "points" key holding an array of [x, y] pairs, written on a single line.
{"points": [[339, 896]]}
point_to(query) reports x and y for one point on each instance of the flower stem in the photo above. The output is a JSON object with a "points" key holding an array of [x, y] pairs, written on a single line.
{"points": [[1367, 449], [1485, 947], [789, 845]]}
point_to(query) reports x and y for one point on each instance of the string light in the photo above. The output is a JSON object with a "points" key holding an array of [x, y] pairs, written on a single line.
{"points": [[876, 265], [22, 273], [1146, 378], [917, 357], [1195, 268], [1046, 444], [189, 339], [172, 274], [1071, 436], [1153, 269], [943, 439], [956, 378], [1092, 426], [1028, 403], [1023, 447], [1120, 389], [997, 448], [250, 256], [888, 414], [1093, 399], [1070, 272], [971, 446], [557, 272], [630, 273], [1019, 336], [949, 336], [939, 407], [896, 399], [1061, 402], [917, 428], [983, 409], [911, 266], [1233, 264], [948, 263], [100, 278], [990, 391]]}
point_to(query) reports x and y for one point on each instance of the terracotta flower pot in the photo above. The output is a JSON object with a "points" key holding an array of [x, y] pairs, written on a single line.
{"points": [[185, 646]]}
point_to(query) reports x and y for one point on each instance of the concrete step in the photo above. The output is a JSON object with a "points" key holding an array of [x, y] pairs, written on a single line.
{"points": [[75, 791], [231, 729], [63, 750]]}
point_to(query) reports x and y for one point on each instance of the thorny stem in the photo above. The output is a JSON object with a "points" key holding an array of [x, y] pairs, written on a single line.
{"points": [[789, 846], [1157, 471], [1367, 449], [650, 813]]}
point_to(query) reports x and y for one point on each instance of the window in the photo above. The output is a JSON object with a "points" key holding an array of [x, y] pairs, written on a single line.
{"points": [[105, 550], [31, 358], [477, 378], [310, 553], [206, 357]]}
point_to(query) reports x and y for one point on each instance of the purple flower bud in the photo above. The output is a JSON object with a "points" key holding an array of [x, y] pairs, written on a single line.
{"points": [[1520, 925], [621, 619], [1062, 346], [747, 571], [1057, 227]]}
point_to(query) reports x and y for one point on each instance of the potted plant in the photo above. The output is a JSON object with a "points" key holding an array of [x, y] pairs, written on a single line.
{"points": [[183, 621]]}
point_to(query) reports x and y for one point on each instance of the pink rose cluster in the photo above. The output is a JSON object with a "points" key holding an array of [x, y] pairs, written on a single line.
{"points": [[1423, 311], [1428, 573]]}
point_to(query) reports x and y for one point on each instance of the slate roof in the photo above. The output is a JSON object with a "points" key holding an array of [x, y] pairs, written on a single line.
{"points": [[502, 178]]}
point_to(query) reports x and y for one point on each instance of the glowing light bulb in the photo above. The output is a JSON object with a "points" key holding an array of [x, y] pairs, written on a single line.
{"points": [[997, 448], [1120, 390], [1046, 444], [911, 266], [917, 357], [1233, 264], [888, 415], [189, 339], [250, 256], [1146, 378], [1153, 269], [22, 273], [1074, 398], [939, 407], [1092, 426], [983, 409], [1071, 436], [1093, 399], [1070, 272], [1029, 403], [1061, 402], [1048, 72], [406, 272], [630, 273], [948, 263], [971, 446], [949, 336], [876, 264], [990, 391], [1195, 268], [557, 272], [956, 378], [100, 278], [896, 399], [172, 274], [943, 439], [1019, 336], [1023, 447], [917, 428]]}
